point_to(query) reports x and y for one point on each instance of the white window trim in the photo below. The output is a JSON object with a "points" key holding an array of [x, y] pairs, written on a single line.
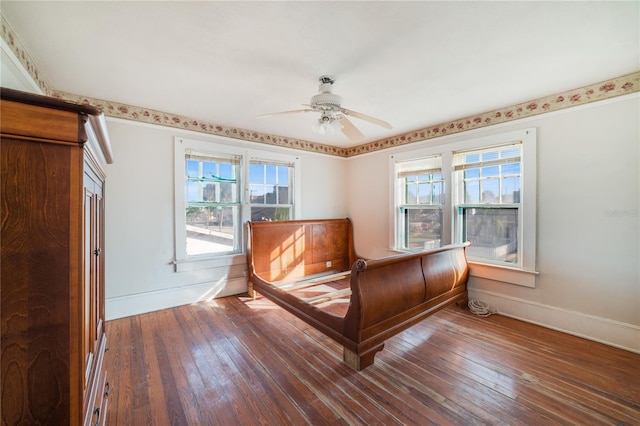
{"points": [[523, 275], [222, 146]]}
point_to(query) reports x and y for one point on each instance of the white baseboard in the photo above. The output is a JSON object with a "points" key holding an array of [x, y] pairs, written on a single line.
{"points": [[135, 304], [602, 330]]}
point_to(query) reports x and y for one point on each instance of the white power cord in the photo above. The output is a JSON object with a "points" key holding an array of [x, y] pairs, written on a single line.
{"points": [[480, 308]]}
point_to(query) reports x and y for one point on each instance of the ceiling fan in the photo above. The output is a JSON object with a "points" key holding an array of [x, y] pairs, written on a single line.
{"points": [[333, 116]]}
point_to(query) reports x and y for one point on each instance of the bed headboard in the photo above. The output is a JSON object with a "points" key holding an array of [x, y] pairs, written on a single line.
{"points": [[289, 250]]}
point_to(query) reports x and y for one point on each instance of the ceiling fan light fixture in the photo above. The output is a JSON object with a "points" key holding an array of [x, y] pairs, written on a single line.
{"points": [[327, 124]]}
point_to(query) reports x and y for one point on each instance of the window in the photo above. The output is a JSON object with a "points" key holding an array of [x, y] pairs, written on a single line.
{"points": [[482, 190], [212, 203], [219, 186], [421, 190], [270, 188], [487, 203]]}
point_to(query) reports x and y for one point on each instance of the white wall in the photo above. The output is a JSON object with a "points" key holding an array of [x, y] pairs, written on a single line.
{"points": [[139, 251], [588, 253]]}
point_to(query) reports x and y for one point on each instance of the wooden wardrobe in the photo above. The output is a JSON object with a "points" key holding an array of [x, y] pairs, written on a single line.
{"points": [[53, 338]]}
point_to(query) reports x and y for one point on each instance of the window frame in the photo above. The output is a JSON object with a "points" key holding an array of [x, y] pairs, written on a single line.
{"points": [[525, 272], [216, 148]]}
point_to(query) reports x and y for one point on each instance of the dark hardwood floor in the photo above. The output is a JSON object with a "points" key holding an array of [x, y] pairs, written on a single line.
{"points": [[240, 361]]}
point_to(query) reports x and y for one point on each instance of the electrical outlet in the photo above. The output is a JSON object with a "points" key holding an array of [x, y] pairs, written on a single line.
{"points": [[328, 264]]}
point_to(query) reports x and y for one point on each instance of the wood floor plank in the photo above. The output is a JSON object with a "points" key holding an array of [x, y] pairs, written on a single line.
{"points": [[389, 404], [539, 380], [436, 362], [321, 372], [270, 363], [250, 396], [241, 361], [145, 379]]}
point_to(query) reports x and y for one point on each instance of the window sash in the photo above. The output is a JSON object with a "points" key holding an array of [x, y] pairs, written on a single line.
{"points": [[265, 200], [421, 187], [492, 174], [493, 238], [212, 220], [423, 232]]}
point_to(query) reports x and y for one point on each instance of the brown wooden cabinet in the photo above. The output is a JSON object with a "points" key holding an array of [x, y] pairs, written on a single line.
{"points": [[52, 261]]}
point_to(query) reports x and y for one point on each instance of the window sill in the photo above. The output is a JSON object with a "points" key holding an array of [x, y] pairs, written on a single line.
{"points": [[503, 274], [194, 264]]}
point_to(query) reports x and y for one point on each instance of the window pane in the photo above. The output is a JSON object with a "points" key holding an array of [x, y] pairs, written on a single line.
{"points": [[283, 175], [424, 193], [211, 229], [510, 152], [226, 171], [270, 197], [228, 192], [438, 192], [269, 214], [472, 191], [471, 173], [256, 194], [192, 168], [209, 192], [490, 191], [192, 191], [410, 193], [283, 195], [472, 158], [271, 174], [511, 169], [490, 171], [493, 233], [208, 169], [423, 228], [511, 190], [256, 173]]}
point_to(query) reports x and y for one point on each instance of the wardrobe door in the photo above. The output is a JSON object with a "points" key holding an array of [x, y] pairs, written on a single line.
{"points": [[93, 282], [40, 274]]}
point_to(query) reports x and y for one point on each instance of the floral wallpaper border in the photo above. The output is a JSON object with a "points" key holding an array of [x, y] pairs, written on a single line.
{"points": [[144, 115], [595, 92]]}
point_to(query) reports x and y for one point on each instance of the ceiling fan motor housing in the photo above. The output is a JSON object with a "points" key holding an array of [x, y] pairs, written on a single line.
{"points": [[325, 100]]}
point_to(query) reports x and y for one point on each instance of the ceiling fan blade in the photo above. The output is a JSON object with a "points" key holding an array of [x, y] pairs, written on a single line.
{"points": [[349, 130], [367, 118], [295, 111]]}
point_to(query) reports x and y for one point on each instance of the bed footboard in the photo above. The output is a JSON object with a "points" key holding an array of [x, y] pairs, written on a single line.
{"points": [[391, 294]]}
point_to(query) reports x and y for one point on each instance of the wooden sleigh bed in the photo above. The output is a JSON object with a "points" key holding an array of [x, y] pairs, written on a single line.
{"points": [[309, 268]]}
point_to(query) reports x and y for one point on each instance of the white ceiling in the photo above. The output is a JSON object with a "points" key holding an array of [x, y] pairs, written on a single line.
{"points": [[412, 64]]}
